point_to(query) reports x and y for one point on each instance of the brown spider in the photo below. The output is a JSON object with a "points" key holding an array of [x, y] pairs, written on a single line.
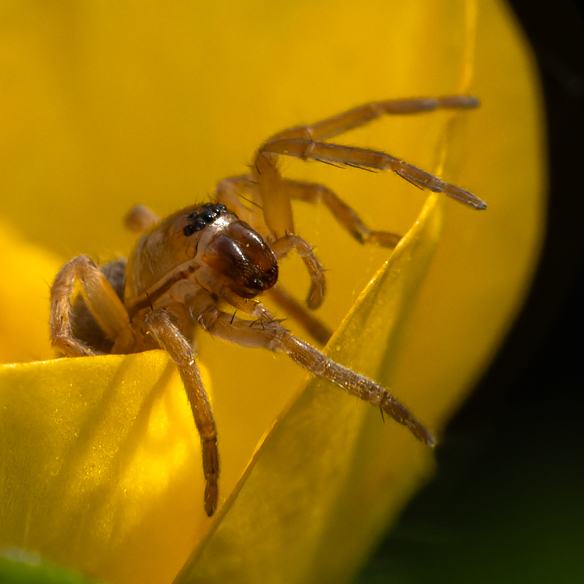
{"points": [[189, 266]]}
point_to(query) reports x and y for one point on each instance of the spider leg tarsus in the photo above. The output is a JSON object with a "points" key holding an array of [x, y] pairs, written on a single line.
{"points": [[412, 182], [360, 167], [335, 164]]}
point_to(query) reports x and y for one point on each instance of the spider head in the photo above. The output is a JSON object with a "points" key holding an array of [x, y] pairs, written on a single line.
{"points": [[202, 245], [242, 260], [169, 251]]}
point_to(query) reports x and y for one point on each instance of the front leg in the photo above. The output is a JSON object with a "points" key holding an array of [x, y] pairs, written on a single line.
{"points": [[171, 339], [102, 301], [274, 337], [283, 245]]}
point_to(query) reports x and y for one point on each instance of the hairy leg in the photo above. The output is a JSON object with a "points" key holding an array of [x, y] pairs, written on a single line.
{"points": [[364, 114], [307, 149], [102, 301], [312, 325], [231, 191], [345, 215], [171, 339], [282, 246], [273, 336], [140, 219]]}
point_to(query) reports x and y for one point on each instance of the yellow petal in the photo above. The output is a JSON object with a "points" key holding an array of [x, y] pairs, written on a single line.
{"points": [[100, 465], [24, 297]]}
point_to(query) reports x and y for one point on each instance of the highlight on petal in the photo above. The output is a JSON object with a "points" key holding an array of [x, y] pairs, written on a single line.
{"points": [[100, 467]]}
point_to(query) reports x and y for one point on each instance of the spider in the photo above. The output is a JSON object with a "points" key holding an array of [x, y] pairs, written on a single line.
{"points": [[192, 269]]}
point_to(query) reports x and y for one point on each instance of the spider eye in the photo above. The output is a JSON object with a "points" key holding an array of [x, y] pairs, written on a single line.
{"points": [[207, 215]]}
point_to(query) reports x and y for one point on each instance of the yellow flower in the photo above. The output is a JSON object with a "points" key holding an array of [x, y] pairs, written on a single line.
{"points": [[110, 104]]}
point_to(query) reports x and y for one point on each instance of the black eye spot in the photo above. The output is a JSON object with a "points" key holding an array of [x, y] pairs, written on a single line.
{"points": [[208, 214]]}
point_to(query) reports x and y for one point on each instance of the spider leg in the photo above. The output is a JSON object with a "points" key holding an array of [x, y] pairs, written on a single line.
{"points": [[364, 114], [102, 301], [249, 306], [171, 339], [275, 200], [288, 242], [229, 190], [315, 193], [274, 337], [140, 219], [312, 325], [306, 149]]}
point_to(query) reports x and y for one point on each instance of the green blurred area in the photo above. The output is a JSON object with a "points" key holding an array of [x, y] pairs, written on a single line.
{"points": [[22, 567]]}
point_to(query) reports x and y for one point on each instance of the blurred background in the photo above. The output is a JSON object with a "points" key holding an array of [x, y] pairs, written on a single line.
{"points": [[507, 503]]}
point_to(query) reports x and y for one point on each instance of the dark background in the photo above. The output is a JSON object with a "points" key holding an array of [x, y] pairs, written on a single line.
{"points": [[507, 504]]}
